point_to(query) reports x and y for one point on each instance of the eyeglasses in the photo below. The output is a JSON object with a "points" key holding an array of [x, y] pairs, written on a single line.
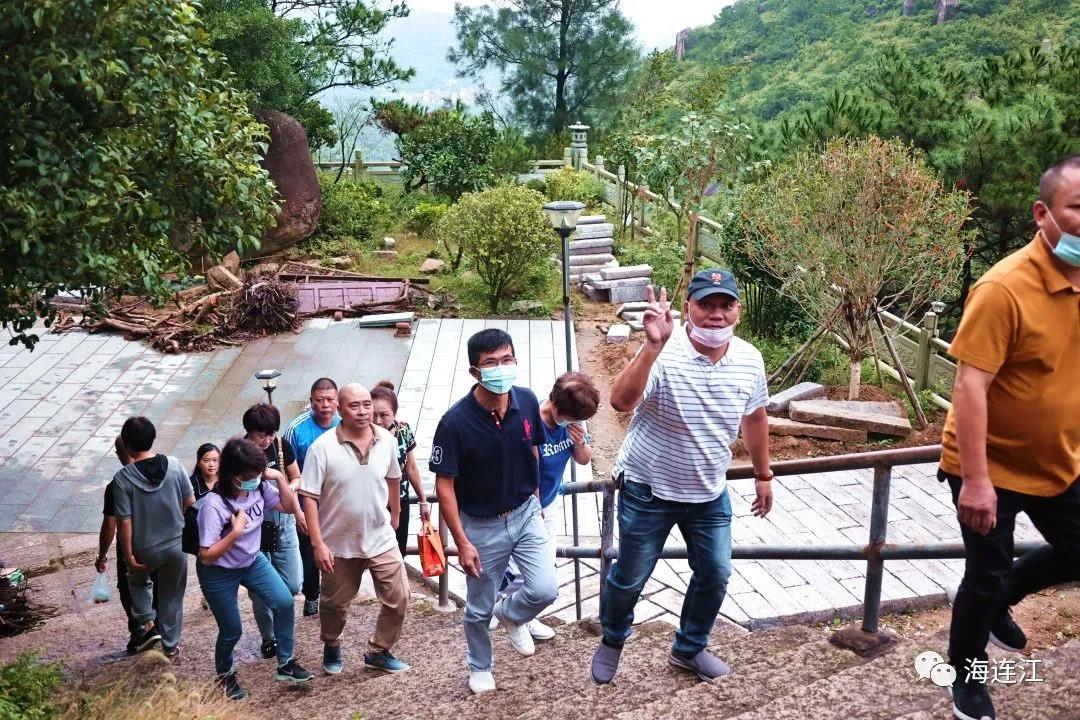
{"points": [[492, 363]]}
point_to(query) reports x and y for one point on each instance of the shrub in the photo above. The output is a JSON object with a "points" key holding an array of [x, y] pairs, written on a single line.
{"points": [[423, 218], [27, 688], [503, 232], [353, 209], [538, 185], [567, 184], [511, 154]]}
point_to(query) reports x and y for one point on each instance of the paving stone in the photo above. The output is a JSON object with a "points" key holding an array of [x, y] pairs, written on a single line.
{"points": [[627, 271], [859, 406], [618, 334], [825, 413], [591, 220], [577, 247], [779, 402], [783, 426], [593, 230], [627, 294], [620, 283]]}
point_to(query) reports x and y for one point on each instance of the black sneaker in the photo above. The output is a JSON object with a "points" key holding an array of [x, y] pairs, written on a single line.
{"points": [[292, 672], [971, 701], [331, 659], [1006, 634], [268, 648], [171, 652], [311, 608], [231, 687], [142, 640]]}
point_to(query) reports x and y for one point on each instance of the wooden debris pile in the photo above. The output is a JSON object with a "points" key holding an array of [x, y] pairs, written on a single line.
{"points": [[17, 613]]}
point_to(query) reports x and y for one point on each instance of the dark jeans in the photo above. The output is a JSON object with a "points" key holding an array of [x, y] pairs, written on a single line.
{"points": [[403, 527], [993, 580], [310, 586], [125, 593], [644, 524]]}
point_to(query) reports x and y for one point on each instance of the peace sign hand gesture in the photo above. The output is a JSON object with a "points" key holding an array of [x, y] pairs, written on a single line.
{"points": [[658, 320]]}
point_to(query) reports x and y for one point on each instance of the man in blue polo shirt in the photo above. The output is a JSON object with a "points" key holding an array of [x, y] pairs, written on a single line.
{"points": [[486, 464], [304, 430]]}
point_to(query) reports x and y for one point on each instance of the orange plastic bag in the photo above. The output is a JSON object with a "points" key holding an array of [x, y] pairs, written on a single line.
{"points": [[432, 557]]}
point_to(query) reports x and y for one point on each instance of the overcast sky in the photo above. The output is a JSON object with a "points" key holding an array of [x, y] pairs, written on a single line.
{"points": [[657, 21]]}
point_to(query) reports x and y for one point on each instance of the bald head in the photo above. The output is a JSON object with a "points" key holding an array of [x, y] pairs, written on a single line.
{"points": [[354, 406], [1062, 175]]}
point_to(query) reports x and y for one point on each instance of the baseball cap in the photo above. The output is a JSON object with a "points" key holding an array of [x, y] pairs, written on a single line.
{"points": [[710, 282]]}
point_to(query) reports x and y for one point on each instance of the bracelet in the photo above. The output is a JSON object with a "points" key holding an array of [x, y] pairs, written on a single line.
{"points": [[763, 477]]}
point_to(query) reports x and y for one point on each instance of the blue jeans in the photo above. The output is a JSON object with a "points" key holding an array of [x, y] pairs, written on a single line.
{"points": [[221, 585], [522, 536], [286, 560], [644, 524]]}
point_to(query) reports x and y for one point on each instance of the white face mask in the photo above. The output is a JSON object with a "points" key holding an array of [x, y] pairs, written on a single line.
{"points": [[711, 337]]}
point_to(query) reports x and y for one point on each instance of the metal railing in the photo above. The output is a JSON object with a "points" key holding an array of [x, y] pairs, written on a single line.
{"points": [[875, 552]]}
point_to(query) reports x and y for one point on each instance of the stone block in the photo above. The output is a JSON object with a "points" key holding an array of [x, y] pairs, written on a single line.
{"points": [[636, 325], [783, 426], [594, 230], [627, 294], [580, 273], [625, 282], [594, 294], [601, 260], [778, 403], [631, 307], [591, 220], [618, 333], [884, 408], [626, 271], [825, 412], [578, 247], [639, 316], [432, 266]]}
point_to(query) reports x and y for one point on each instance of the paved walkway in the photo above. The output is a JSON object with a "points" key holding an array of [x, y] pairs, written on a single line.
{"points": [[62, 405]]}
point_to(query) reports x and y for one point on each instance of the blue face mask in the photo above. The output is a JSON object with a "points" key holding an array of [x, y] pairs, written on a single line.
{"points": [[1068, 246], [498, 379], [250, 485]]}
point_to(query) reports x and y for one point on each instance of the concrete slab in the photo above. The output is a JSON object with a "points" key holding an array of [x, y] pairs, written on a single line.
{"points": [[618, 334], [578, 246], [825, 412], [778, 403], [783, 426], [599, 259], [627, 271], [593, 230]]}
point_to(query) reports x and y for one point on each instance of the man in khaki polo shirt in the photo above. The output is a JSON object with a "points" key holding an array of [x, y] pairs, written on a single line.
{"points": [[351, 475], [1012, 439]]}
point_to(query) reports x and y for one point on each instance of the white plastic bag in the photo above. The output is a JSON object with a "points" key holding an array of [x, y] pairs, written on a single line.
{"points": [[100, 591]]}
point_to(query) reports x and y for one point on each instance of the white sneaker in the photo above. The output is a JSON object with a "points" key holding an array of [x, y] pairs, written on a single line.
{"points": [[519, 635], [481, 682], [539, 630], [494, 624]]}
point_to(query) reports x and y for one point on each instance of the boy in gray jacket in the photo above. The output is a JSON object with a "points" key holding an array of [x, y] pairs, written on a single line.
{"points": [[151, 495]]}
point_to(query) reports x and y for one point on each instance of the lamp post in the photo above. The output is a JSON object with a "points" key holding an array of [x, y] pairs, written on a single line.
{"points": [[563, 216], [268, 379]]}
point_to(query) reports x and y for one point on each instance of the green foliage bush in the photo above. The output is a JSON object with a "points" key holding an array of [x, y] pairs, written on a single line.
{"points": [[354, 209], [27, 688], [503, 234], [663, 250], [568, 184], [450, 152], [512, 154], [424, 217], [124, 151]]}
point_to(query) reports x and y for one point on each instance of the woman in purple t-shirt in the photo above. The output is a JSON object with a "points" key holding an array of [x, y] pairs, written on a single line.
{"points": [[230, 535]]}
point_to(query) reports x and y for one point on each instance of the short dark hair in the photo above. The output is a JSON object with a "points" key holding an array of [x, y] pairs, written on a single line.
{"points": [[488, 340], [138, 434], [263, 418], [384, 390], [575, 396], [239, 457], [323, 384], [1050, 182]]}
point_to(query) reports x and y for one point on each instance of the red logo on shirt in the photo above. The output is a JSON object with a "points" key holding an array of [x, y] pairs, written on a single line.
{"points": [[527, 434]]}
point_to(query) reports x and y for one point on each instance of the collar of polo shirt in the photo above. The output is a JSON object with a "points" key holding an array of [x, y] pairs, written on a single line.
{"points": [[1054, 280], [513, 399], [361, 457]]}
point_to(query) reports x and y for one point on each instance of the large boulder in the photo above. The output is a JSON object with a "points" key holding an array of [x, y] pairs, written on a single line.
{"points": [[288, 160]]}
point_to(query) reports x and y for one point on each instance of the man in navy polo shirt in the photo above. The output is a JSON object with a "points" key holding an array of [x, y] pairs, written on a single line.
{"points": [[486, 464]]}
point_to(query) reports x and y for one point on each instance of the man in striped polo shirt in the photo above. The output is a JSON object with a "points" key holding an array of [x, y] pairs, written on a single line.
{"points": [[691, 389]]}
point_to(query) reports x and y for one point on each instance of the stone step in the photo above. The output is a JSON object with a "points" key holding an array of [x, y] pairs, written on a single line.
{"points": [[755, 683], [890, 407], [593, 230], [631, 307], [778, 403], [577, 246], [784, 426], [584, 260], [591, 219], [825, 412], [627, 271], [624, 282]]}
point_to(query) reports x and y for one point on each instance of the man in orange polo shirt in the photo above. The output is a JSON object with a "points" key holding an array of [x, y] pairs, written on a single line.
{"points": [[1012, 439]]}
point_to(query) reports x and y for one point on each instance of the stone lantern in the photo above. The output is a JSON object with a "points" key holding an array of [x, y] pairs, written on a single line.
{"points": [[579, 144]]}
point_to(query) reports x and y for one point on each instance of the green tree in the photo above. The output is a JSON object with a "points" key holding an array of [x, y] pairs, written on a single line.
{"points": [[560, 59], [286, 52], [864, 225], [504, 233], [122, 152]]}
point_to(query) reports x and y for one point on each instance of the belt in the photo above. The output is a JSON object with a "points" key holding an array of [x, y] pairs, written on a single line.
{"points": [[500, 516]]}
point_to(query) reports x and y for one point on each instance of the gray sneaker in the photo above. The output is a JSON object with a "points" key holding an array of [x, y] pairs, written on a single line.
{"points": [[705, 665], [605, 662]]}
